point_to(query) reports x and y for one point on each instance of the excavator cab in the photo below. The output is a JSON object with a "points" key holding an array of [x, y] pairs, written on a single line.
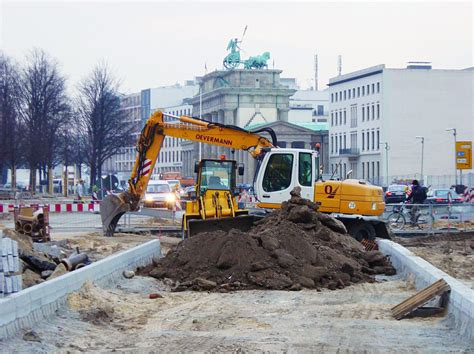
{"points": [[215, 206]]}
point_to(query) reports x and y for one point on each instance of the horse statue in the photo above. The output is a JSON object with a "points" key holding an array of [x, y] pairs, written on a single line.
{"points": [[257, 62]]}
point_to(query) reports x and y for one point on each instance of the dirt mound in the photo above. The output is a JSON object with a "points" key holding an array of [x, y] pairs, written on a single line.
{"points": [[291, 248]]}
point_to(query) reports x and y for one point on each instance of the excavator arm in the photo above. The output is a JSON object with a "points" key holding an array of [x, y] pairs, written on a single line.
{"points": [[149, 146]]}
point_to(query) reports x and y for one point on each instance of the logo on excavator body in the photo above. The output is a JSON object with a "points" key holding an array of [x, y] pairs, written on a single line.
{"points": [[330, 191], [212, 139]]}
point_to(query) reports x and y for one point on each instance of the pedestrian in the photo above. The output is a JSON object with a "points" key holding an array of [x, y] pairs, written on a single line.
{"points": [[80, 190], [95, 198]]}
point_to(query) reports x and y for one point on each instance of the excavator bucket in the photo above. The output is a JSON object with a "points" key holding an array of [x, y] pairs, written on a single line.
{"points": [[111, 210], [241, 222]]}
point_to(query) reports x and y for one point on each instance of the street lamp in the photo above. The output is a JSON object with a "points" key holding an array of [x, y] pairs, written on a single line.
{"points": [[201, 84], [387, 147], [422, 152], [455, 169]]}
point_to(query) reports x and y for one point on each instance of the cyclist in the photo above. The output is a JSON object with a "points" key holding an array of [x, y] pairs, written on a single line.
{"points": [[417, 196]]}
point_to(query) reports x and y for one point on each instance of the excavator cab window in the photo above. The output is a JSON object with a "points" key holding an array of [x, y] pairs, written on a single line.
{"points": [[278, 173], [218, 175], [305, 169]]}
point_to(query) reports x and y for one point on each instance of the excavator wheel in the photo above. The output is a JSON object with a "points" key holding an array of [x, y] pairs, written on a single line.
{"points": [[242, 222]]}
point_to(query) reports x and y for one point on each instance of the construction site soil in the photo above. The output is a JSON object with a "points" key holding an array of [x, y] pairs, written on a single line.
{"points": [[452, 253], [292, 248]]}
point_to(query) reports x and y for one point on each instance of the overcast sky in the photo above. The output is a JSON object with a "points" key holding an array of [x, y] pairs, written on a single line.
{"points": [[150, 44]]}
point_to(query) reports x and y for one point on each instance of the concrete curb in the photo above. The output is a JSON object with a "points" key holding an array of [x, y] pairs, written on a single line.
{"points": [[461, 300], [22, 310]]}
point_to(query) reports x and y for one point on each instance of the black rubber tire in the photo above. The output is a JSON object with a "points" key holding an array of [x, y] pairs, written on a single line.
{"points": [[362, 230]]}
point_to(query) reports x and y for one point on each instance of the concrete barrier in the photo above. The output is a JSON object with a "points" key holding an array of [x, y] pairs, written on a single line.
{"points": [[461, 300], [25, 308]]}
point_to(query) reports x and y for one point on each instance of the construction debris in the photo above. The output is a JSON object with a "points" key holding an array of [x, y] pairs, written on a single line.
{"points": [[291, 248], [438, 288]]}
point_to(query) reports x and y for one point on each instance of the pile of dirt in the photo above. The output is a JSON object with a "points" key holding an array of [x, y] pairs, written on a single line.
{"points": [[291, 248]]}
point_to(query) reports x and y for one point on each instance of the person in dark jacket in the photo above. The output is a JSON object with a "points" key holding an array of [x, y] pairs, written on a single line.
{"points": [[417, 196]]}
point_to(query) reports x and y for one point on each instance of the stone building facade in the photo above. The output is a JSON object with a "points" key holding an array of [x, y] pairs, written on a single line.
{"points": [[242, 98]]}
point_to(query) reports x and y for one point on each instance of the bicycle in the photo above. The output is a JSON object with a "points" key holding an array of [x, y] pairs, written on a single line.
{"points": [[397, 220]]}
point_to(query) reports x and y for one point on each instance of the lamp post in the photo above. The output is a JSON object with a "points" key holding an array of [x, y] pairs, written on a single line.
{"points": [[422, 138], [200, 115], [455, 169], [387, 147]]}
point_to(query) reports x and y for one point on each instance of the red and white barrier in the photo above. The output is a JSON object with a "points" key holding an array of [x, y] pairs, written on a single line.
{"points": [[57, 207], [469, 195]]}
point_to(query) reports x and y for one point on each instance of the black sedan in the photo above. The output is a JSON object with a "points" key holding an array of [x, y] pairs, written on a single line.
{"points": [[441, 196], [395, 194]]}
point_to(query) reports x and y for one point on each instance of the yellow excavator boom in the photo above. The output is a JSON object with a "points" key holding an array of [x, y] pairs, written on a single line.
{"points": [[149, 146]]}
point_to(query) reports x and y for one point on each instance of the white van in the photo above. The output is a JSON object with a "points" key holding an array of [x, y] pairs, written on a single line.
{"points": [[159, 195]]}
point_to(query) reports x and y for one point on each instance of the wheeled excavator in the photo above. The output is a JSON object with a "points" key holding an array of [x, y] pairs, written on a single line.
{"points": [[355, 202]]}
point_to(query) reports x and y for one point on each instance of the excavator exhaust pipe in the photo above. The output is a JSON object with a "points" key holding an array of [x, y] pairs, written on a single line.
{"points": [[111, 210]]}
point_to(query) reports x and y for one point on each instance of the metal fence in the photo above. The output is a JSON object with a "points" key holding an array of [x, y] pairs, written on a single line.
{"points": [[146, 220], [443, 181], [429, 218]]}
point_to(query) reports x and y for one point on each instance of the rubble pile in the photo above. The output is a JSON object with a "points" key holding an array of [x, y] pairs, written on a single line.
{"points": [[292, 248], [44, 261]]}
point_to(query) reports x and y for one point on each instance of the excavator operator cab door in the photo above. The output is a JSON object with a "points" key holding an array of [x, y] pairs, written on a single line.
{"points": [[281, 170]]}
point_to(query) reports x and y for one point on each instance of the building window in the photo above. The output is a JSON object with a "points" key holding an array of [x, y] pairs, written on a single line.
{"points": [[363, 113], [363, 90], [345, 116], [345, 94], [363, 140], [332, 145], [358, 92], [335, 139], [320, 110], [332, 97], [373, 140], [332, 119], [353, 116], [373, 88], [368, 89], [378, 110], [353, 92], [345, 146], [349, 94], [368, 140], [378, 170], [368, 170], [378, 139], [353, 140], [373, 169], [297, 144], [378, 87], [373, 111], [363, 170]]}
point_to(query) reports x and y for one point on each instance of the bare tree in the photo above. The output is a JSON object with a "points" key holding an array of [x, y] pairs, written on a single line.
{"points": [[101, 121], [44, 111], [10, 150]]}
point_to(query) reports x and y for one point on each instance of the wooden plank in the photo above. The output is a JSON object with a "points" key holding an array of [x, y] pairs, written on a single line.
{"points": [[420, 298]]}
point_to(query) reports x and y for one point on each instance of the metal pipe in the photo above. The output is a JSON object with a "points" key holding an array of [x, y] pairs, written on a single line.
{"points": [[27, 228], [74, 260]]}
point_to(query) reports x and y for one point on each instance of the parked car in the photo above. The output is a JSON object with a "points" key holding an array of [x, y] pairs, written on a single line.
{"points": [[395, 193], [440, 196], [159, 195]]}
